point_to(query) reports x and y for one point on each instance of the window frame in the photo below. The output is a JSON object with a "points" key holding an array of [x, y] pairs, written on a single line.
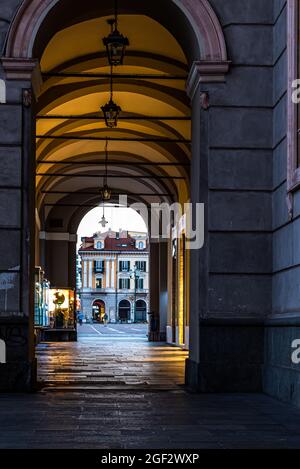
{"points": [[99, 266], [121, 280], [139, 283], [293, 169], [122, 267], [99, 279], [141, 266]]}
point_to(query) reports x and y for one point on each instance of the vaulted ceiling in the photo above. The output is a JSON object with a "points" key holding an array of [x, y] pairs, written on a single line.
{"points": [[149, 151]]}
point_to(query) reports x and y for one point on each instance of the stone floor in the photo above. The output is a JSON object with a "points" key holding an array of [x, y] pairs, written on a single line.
{"points": [[115, 357], [114, 390]]}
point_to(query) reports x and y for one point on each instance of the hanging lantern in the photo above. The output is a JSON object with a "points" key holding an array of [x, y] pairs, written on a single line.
{"points": [[106, 193], [103, 221], [115, 45], [111, 113]]}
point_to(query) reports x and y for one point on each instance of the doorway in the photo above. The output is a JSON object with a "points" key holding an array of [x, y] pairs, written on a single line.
{"points": [[141, 311], [98, 311], [124, 311]]}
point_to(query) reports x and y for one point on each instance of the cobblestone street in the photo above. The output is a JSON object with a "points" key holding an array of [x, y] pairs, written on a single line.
{"points": [[113, 390]]}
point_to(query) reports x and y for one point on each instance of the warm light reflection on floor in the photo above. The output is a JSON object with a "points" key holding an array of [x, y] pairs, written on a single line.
{"points": [[97, 362]]}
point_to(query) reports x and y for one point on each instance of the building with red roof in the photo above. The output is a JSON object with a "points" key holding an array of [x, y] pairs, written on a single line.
{"points": [[115, 277]]}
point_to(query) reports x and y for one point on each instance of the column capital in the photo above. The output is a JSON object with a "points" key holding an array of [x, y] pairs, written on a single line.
{"points": [[23, 70], [204, 71]]}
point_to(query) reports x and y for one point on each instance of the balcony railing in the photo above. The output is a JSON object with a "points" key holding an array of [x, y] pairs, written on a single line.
{"points": [[99, 270]]}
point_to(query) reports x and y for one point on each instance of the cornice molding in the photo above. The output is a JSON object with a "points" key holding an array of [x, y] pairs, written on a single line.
{"points": [[206, 72], [23, 70]]}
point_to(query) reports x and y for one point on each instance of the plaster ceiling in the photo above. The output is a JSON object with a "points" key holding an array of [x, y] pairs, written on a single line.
{"points": [[79, 50]]}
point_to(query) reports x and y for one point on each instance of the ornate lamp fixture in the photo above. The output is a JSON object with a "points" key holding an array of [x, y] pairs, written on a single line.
{"points": [[103, 221], [111, 110], [105, 191], [115, 43]]}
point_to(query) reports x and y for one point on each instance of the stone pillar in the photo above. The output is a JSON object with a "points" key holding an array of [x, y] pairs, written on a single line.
{"points": [[60, 261], [84, 274], [107, 273], [199, 259], [90, 274], [228, 295], [17, 236], [154, 291], [113, 273], [72, 262], [163, 289]]}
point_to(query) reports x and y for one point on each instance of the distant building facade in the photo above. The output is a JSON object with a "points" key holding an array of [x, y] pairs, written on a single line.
{"points": [[115, 277]]}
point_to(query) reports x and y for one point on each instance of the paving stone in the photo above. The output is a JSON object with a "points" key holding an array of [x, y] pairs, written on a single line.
{"points": [[79, 409]]}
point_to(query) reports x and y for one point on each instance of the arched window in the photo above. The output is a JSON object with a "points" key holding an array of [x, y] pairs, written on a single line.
{"points": [[99, 245], [141, 245]]}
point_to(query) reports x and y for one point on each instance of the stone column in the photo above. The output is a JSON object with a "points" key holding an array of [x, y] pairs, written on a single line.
{"points": [[17, 235], [60, 258], [230, 276], [72, 261], [163, 289], [85, 283], [154, 291], [113, 273], [90, 274], [108, 273], [199, 266]]}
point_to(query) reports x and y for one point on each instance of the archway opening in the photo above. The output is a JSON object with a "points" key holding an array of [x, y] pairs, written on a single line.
{"points": [[150, 149], [124, 310], [112, 265], [141, 311], [98, 311], [124, 271]]}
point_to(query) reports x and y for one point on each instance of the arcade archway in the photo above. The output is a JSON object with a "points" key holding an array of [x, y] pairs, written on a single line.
{"points": [[98, 311], [124, 311], [174, 45], [141, 311]]}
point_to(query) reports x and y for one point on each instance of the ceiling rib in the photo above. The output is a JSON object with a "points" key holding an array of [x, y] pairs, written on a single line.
{"points": [[111, 163], [114, 176], [51, 192], [116, 75], [114, 139], [99, 117]]}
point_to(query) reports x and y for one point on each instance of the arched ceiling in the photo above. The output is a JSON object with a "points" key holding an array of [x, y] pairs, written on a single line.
{"points": [[149, 152]]}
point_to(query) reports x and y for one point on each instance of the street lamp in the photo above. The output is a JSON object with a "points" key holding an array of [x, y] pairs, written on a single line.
{"points": [[135, 274], [115, 43]]}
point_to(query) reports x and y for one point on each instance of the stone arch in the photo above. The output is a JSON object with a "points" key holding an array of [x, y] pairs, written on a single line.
{"points": [[94, 300], [199, 14], [99, 302]]}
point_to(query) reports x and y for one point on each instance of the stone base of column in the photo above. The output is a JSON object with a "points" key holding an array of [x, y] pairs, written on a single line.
{"points": [[281, 375], [157, 337], [231, 358], [59, 335], [18, 377]]}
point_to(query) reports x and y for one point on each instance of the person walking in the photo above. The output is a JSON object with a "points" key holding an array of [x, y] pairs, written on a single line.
{"points": [[80, 318], [105, 318]]}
